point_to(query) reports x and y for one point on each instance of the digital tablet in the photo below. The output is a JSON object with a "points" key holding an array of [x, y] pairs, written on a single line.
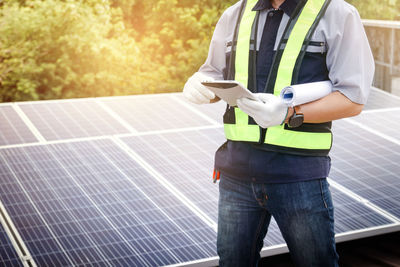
{"points": [[229, 91]]}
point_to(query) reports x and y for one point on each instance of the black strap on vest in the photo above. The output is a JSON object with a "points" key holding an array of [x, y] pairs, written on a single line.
{"points": [[269, 86], [232, 57], [307, 41], [252, 70]]}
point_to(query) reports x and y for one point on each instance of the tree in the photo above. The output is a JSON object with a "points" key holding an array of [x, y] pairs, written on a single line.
{"points": [[175, 34], [81, 48], [378, 9], [51, 49]]}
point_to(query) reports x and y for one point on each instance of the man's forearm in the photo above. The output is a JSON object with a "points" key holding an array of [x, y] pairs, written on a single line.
{"points": [[331, 107]]}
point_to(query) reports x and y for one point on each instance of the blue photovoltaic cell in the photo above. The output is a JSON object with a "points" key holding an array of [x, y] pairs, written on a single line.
{"points": [[89, 203], [385, 122], [367, 164], [12, 129], [215, 111], [185, 159], [71, 119], [152, 113], [351, 215], [8, 255], [379, 100]]}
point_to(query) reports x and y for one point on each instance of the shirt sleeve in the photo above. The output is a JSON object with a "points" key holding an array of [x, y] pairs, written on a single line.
{"points": [[349, 58], [216, 62]]}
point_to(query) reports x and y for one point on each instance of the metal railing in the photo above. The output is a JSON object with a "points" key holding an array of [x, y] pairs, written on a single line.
{"points": [[384, 39]]}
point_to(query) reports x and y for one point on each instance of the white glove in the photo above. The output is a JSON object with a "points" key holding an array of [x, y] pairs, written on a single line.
{"points": [[197, 93], [270, 112]]}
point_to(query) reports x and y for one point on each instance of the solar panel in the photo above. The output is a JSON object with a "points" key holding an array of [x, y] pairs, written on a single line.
{"points": [[58, 120], [186, 160], [152, 113], [379, 99], [351, 214], [8, 255], [80, 203], [146, 197], [215, 111], [188, 167], [368, 165], [381, 121], [12, 129]]}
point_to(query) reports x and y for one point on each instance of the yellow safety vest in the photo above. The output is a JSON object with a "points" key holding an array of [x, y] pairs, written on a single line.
{"points": [[308, 139]]}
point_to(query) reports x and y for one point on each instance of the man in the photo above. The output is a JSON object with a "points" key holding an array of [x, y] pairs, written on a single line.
{"points": [[275, 161]]}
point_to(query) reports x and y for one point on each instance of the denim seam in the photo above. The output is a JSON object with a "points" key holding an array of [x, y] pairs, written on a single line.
{"points": [[322, 194], [258, 232], [255, 196], [330, 215]]}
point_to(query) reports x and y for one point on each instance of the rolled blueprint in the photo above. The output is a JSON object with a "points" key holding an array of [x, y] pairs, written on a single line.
{"points": [[307, 92]]}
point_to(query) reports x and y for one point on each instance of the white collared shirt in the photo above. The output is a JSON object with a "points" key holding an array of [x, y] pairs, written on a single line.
{"points": [[348, 55]]}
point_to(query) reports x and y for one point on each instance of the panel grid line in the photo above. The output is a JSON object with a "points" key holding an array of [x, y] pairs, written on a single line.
{"points": [[98, 209], [182, 102], [92, 138], [396, 109], [148, 198], [10, 123], [116, 117], [385, 93], [384, 136], [28, 123], [37, 210], [166, 184], [75, 219], [343, 189], [112, 158], [145, 226]]}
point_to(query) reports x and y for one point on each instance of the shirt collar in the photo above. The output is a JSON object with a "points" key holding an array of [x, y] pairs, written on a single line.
{"points": [[288, 6]]}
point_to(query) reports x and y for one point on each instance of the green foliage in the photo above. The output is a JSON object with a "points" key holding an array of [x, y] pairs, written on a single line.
{"points": [[174, 34], [51, 49], [82, 48], [378, 9]]}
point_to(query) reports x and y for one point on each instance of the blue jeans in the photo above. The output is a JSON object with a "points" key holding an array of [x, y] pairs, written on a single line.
{"points": [[302, 210]]}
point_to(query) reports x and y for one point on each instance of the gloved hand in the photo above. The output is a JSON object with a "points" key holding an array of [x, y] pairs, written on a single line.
{"points": [[197, 93], [270, 112]]}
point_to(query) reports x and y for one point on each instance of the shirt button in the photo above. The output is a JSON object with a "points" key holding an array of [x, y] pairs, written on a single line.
{"points": [[270, 14]]}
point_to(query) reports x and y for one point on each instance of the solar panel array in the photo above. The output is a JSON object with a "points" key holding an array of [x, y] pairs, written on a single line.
{"points": [[127, 180]]}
